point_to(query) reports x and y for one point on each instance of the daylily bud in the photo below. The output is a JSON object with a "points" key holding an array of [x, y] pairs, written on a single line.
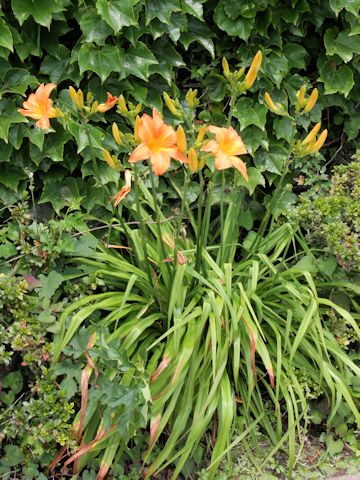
{"points": [[136, 129], [109, 159], [202, 162], [191, 99], [253, 70], [94, 106], [138, 108], [226, 69], [312, 134], [300, 98], [270, 103], [110, 102], [122, 104], [80, 97], [319, 142], [170, 104], [201, 135], [239, 73], [89, 97], [193, 160], [77, 97], [181, 139], [311, 101], [117, 134]]}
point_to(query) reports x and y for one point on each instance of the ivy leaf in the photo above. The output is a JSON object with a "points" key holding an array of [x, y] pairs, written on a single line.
{"points": [[343, 44], [352, 6], [178, 24], [254, 138], [169, 58], [41, 10], [94, 28], [193, 7], [271, 161], [255, 179], [336, 79], [101, 60], [276, 68], [354, 21], [60, 196], [295, 55], [250, 113], [8, 115], [10, 177], [117, 13], [283, 128], [86, 136], [216, 85], [17, 80], [6, 39], [352, 125], [240, 27], [7, 249], [138, 60], [161, 10], [60, 68], [198, 32]]}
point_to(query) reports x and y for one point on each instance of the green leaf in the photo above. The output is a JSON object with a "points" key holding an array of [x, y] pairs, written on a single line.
{"points": [[17, 80], [336, 79], [60, 68], [117, 13], [295, 55], [284, 128], [14, 381], [49, 284], [198, 32], [13, 456], [276, 68], [240, 27], [273, 160], [6, 39], [344, 44], [333, 447], [352, 6], [354, 21], [7, 249], [216, 85], [169, 58], [41, 10], [250, 113], [8, 115], [94, 28], [254, 138], [193, 7], [86, 136], [61, 194], [101, 60], [161, 9], [255, 179], [352, 125], [138, 60]]}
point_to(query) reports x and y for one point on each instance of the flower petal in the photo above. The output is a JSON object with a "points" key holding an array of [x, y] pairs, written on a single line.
{"points": [[141, 152], [210, 146], [240, 165], [222, 161], [160, 162]]}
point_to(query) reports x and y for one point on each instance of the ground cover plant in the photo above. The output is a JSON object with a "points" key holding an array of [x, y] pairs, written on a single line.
{"points": [[164, 297]]}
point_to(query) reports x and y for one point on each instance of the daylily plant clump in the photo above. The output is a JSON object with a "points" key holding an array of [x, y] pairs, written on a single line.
{"points": [[157, 244]]}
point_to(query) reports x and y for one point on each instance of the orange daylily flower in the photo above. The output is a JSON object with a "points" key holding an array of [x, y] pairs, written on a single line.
{"points": [[226, 148], [158, 143], [39, 106], [110, 102], [124, 190]]}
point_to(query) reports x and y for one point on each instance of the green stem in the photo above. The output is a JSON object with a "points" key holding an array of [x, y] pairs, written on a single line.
{"points": [[158, 222], [231, 110], [93, 159], [181, 216], [142, 229], [200, 219], [221, 219]]}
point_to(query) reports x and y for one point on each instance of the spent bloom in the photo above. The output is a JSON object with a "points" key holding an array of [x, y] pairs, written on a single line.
{"points": [[39, 106], [225, 148], [158, 143], [124, 190], [110, 102]]}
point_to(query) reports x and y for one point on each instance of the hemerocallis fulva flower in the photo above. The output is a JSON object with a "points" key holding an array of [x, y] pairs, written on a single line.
{"points": [[225, 148], [39, 106], [124, 190], [158, 143], [110, 102]]}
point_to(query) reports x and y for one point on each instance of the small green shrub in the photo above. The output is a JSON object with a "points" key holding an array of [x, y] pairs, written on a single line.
{"points": [[331, 218]]}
